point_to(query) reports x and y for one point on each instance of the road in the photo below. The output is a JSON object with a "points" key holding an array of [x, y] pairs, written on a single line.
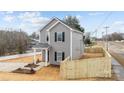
{"points": [[116, 49]]}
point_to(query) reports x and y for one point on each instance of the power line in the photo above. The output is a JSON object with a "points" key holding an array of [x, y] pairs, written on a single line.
{"points": [[106, 18]]}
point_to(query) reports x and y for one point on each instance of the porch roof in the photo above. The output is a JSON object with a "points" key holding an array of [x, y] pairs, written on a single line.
{"points": [[41, 45]]}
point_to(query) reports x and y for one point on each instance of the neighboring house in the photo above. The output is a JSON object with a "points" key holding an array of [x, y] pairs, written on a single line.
{"points": [[59, 41]]}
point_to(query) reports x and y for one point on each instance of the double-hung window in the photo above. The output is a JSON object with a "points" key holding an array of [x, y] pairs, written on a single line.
{"points": [[59, 36], [59, 56]]}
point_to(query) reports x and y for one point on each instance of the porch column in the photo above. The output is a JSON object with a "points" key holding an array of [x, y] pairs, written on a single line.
{"points": [[34, 59], [41, 55], [46, 57]]}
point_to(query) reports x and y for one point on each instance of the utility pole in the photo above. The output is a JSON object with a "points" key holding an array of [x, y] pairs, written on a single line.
{"points": [[106, 28], [103, 39], [96, 35]]}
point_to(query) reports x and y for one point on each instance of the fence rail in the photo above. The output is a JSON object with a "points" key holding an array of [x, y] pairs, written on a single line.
{"points": [[83, 68]]}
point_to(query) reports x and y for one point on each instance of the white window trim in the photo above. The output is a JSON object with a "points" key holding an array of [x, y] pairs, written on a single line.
{"points": [[59, 56], [57, 37]]}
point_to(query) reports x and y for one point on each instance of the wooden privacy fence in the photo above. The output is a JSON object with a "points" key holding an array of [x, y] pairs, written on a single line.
{"points": [[84, 68]]}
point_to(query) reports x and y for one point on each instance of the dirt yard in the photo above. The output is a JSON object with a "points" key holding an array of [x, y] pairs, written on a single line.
{"points": [[91, 55], [47, 73], [28, 59]]}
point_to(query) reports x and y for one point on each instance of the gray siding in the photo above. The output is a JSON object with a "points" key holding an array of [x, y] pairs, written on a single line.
{"points": [[77, 45], [59, 46], [43, 33]]}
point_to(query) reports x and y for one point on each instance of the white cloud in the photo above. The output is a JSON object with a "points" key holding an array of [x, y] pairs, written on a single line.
{"points": [[39, 20], [9, 12], [27, 15], [8, 18], [32, 21], [118, 23], [117, 26], [79, 16], [95, 13], [33, 17]]}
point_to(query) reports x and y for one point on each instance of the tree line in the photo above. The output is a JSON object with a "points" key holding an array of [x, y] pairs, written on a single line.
{"points": [[114, 36], [12, 42]]}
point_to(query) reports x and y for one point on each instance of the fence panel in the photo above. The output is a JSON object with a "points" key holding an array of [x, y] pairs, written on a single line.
{"points": [[83, 68]]}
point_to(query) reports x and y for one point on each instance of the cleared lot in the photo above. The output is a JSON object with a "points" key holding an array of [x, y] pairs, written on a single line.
{"points": [[46, 73], [27, 59]]}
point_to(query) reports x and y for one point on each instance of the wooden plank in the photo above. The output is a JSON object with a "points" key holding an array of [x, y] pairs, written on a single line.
{"points": [[93, 67]]}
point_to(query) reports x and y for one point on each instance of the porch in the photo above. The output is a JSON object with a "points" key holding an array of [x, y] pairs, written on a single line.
{"points": [[44, 48]]}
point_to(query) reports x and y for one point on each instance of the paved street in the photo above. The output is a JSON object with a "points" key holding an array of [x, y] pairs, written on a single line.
{"points": [[117, 50], [118, 69]]}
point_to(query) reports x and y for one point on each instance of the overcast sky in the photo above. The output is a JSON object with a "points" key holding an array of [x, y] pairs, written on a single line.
{"points": [[33, 21]]}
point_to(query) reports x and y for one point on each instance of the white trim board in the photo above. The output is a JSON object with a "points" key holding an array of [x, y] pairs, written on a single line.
{"points": [[52, 26], [58, 21]]}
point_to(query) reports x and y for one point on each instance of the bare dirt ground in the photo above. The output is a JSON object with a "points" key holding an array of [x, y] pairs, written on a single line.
{"points": [[28, 59], [46, 73], [91, 55]]}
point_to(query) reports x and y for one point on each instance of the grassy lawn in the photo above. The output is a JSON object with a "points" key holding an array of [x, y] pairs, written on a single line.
{"points": [[28, 59]]}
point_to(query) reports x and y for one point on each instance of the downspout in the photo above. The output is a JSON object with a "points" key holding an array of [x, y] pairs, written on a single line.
{"points": [[71, 44], [83, 42]]}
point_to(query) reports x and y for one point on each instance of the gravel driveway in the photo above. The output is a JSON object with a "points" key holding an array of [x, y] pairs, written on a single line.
{"points": [[10, 66]]}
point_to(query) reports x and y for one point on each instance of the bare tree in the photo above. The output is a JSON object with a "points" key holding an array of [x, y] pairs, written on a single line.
{"points": [[13, 42], [114, 36]]}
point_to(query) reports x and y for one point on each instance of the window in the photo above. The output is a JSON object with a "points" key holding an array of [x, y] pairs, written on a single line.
{"points": [[59, 36], [59, 56], [47, 38]]}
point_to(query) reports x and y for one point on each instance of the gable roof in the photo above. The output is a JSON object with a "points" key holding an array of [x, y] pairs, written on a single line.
{"points": [[62, 22]]}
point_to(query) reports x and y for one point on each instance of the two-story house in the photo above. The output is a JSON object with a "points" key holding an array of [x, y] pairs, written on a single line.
{"points": [[59, 41]]}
